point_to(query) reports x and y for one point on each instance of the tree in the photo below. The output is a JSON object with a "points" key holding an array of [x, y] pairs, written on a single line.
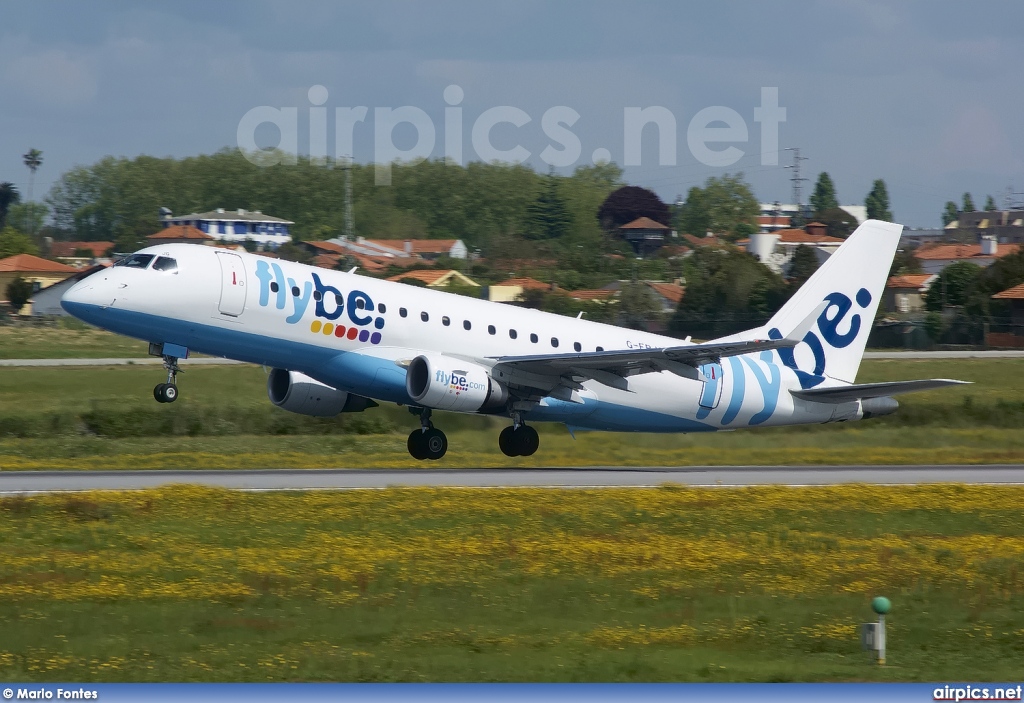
{"points": [[877, 202], [18, 292], [904, 262], [950, 213], [547, 217], [13, 242], [725, 205], [953, 286], [802, 266], [33, 159], [968, 205], [627, 204], [29, 217], [990, 204], [839, 222], [824, 196], [9, 195]]}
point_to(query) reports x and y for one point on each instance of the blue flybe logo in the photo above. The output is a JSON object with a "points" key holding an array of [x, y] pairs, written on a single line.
{"points": [[360, 321], [840, 306], [457, 381]]}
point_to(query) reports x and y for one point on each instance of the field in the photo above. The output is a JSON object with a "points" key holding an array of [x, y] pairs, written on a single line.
{"points": [[69, 338], [666, 584], [105, 417]]}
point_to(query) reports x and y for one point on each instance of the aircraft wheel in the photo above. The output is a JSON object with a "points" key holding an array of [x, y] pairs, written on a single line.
{"points": [[526, 440], [436, 444], [506, 443], [417, 445], [170, 392], [158, 392]]}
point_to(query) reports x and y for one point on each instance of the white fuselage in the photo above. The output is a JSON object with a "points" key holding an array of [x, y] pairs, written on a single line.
{"points": [[354, 333]]}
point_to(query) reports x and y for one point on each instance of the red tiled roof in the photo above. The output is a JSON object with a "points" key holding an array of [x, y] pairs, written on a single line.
{"points": [[764, 220], [27, 263], [799, 236], [427, 276], [941, 252], [419, 246], [180, 232], [69, 248], [670, 291], [711, 241], [591, 295], [526, 284], [329, 247], [643, 223], [909, 280], [1015, 293], [326, 261]]}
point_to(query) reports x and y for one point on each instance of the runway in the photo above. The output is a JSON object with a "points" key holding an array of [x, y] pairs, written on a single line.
{"points": [[588, 477]]}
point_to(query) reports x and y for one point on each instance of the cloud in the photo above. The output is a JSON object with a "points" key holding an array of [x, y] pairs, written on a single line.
{"points": [[53, 77]]}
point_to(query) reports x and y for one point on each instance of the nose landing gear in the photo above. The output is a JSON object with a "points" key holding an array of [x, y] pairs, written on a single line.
{"points": [[168, 392], [428, 442]]}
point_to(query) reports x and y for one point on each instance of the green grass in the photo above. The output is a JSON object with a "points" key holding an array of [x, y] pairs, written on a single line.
{"points": [[95, 417], [67, 339], [667, 584]]}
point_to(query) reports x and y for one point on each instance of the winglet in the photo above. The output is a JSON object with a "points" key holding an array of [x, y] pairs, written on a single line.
{"points": [[798, 333]]}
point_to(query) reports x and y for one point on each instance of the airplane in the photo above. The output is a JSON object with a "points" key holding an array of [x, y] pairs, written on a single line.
{"points": [[341, 342]]}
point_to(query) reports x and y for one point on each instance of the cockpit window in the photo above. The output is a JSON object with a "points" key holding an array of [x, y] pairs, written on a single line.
{"points": [[165, 264], [135, 261]]}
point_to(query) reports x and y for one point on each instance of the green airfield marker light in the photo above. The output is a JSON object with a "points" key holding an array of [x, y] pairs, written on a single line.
{"points": [[873, 634]]}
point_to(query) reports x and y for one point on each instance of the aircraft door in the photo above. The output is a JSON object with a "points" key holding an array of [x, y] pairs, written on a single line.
{"points": [[711, 393], [232, 284]]}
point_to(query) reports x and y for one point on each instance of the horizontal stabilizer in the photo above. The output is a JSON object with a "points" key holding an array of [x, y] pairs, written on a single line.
{"points": [[844, 394]]}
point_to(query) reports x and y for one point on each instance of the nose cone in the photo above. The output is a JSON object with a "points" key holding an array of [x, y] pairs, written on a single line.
{"points": [[86, 299]]}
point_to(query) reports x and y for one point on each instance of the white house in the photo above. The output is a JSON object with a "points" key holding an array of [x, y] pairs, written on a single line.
{"points": [[235, 225]]}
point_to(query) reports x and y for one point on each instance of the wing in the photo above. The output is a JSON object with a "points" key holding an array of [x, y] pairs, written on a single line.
{"points": [[560, 374], [843, 394]]}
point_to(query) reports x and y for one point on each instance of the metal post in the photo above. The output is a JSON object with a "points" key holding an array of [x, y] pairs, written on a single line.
{"points": [[881, 639]]}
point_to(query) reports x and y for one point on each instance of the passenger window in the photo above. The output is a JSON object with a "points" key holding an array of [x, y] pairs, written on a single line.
{"points": [[446, 321], [554, 341], [295, 291], [274, 287], [513, 334], [533, 338], [577, 346], [467, 325], [317, 296], [338, 300], [135, 261], [382, 308], [360, 303], [491, 329], [403, 312], [424, 316], [165, 264], [600, 349]]}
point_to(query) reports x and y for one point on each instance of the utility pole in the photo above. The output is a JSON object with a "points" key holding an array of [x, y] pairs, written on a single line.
{"points": [[346, 164], [796, 179]]}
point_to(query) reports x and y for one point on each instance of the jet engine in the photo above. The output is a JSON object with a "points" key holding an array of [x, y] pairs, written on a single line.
{"points": [[298, 393], [449, 384]]}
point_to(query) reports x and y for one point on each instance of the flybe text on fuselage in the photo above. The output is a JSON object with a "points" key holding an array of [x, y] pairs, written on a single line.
{"points": [[329, 304]]}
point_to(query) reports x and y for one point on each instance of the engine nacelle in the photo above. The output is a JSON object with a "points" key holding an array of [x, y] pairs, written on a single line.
{"points": [[450, 384], [298, 393]]}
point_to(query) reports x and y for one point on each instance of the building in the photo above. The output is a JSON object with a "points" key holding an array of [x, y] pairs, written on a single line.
{"points": [[789, 210], [42, 273], [432, 278], [47, 301], [775, 249], [180, 234], [935, 257], [905, 293], [512, 290], [80, 253], [235, 225], [1007, 226], [1012, 334], [644, 234], [418, 249]]}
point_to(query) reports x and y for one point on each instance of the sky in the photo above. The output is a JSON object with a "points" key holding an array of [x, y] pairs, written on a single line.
{"points": [[923, 93]]}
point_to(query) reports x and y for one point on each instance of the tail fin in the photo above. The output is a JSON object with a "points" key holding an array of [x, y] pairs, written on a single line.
{"points": [[852, 280]]}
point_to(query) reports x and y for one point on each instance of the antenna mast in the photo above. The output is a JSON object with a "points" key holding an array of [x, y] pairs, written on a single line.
{"points": [[796, 179], [346, 164]]}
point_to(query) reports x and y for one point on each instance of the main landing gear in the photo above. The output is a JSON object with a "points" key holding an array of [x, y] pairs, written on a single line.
{"points": [[428, 442], [168, 392], [518, 439]]}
